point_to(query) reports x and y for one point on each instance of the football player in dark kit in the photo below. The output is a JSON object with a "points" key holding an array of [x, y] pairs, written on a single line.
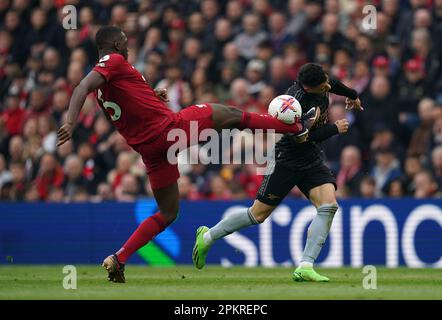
{"points": [[297, 162]]}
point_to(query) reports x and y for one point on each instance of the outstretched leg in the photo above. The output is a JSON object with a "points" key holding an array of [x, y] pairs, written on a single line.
{"points": [[275, 186], [226, 117], [168, 204], [237, 220]]}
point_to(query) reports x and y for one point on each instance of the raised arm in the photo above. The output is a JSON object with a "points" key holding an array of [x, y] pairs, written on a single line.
{"points": [[352, 101], [91, 82], [337, 87]]}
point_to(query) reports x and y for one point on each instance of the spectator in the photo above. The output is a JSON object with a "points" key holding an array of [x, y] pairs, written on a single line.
{"points": [[50, 175], [14, 115], [279, 36], [234, 13], [223, 34], [176, 87], [361, 77], [46, 129], [395, 189], [60, 104], [436, 161], [187, 189], [56, 195], [384, 138], [411, 91], [394, 55], [248, 40], [294, 58], [420, 142], [298, 17], [5, 174], [128, 189], [37, 103], [367, 188], [381, 66], [278, 75], [381, 109], [387, 168], [333, 146], [196, 24], [350, 172], [210, 10], [222, 87], [266, 95], [255, 75], [425, 186], [81, 195], [104, 193], [192, 50], [219, 189], [240, 97], [73, 171], [16, 149], [124, 163], [32, 194], [412, 166]]}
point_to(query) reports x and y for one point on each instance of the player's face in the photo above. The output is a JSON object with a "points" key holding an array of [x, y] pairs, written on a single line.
{"points": [[322, 88]]}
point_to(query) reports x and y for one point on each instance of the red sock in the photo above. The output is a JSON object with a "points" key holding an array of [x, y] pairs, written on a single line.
{"points": [[148, 229], [254, 121]]}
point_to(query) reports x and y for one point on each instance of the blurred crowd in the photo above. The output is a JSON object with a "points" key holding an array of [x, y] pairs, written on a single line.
{"points": [[238, 52]]}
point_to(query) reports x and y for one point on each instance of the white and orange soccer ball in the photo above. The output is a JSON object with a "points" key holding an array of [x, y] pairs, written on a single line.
{"points": [[285, 108]]}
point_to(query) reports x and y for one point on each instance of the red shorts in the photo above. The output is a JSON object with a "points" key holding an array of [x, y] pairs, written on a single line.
{"points": [[160, 170]]}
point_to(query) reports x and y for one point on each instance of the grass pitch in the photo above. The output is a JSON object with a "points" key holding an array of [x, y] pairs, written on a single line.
{"points": [[187, 283]]}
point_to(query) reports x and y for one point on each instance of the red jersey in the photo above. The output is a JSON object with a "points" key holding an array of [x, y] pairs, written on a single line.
{"points": [[138, 114]]}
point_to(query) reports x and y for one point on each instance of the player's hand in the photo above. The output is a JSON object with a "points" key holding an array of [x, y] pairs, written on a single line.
{"points": [[162, 94], [353, 104], [64, 133], [342, 125], [301, 138]]}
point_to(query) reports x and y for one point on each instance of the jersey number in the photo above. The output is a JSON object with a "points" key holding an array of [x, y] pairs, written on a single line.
{"points": [[115, 114]]}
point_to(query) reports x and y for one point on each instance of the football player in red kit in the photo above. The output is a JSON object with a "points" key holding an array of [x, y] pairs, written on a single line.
{"points": [[141, 116]]}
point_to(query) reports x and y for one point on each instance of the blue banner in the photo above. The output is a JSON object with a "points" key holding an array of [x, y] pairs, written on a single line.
{"points": [[382, 232]]}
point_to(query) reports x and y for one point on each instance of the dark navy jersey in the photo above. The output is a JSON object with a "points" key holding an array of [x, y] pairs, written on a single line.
{"points": [[301, 156]]}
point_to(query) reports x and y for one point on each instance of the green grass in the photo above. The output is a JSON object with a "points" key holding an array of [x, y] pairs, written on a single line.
{"points": [[184, 282]]}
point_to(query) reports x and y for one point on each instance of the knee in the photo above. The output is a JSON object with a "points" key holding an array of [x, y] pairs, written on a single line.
{"points": [[261, 213]]}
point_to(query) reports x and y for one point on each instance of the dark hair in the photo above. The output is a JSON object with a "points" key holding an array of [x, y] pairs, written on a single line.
{"points": [[106, 36], [311, 75]]}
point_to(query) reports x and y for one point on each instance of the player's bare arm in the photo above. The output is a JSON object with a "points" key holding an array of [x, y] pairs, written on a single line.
{"points": [[91, 82]]}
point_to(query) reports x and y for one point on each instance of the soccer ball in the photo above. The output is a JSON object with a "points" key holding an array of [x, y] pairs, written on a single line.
{"points": [[285, 108]]}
